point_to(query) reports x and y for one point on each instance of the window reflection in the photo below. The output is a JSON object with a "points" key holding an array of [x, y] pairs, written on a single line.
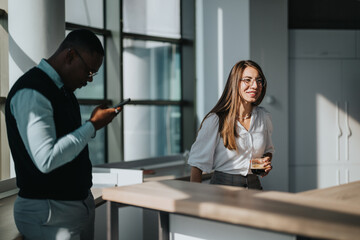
{"points": [[152, 17], [151, 70], [151, 131], [85, 12]]}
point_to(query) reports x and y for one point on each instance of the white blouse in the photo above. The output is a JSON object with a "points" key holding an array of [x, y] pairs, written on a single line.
{"points": [[208, 152]]}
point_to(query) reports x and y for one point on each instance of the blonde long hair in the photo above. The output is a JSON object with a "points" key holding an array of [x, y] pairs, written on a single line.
{"points": [[227, 107]]}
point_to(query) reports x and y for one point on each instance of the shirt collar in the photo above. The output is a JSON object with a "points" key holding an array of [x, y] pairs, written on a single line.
{"points": [[254, 110], [50, 71]]}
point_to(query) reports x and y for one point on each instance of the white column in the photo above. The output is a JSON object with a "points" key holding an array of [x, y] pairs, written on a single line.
{"points": [[36, 28]]}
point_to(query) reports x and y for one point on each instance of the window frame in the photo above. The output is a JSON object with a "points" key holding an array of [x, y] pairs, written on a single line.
{"points": [[180, 42]]}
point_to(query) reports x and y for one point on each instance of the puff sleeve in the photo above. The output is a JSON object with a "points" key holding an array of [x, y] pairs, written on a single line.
{"points": [[202, 151]]}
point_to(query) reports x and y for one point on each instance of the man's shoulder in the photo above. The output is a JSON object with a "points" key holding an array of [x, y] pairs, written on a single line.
{"points": [[34, 78], [33, 74], [28, 78]]}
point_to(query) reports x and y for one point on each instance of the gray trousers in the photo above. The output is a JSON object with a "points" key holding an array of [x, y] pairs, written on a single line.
{"points": [[54, 219], [250, 181]]}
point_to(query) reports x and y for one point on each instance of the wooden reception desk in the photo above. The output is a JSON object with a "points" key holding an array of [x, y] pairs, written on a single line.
{"points": [[332, 213]]}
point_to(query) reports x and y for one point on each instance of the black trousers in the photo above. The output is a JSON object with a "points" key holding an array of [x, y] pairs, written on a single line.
{"points": [[250, 181]]}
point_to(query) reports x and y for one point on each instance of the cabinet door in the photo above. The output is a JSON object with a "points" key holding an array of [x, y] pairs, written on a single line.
{"points": [[314, 96], [351, 111], [352, 173]]}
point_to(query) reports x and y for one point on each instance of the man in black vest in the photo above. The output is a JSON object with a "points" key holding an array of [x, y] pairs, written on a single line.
{"points": [[49, 144]]}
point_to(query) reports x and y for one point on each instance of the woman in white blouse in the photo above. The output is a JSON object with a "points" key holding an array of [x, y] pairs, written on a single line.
{"points": [[235, 131]]}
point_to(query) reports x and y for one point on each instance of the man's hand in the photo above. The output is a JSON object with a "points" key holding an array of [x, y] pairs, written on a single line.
{"points": [[102, 116]]}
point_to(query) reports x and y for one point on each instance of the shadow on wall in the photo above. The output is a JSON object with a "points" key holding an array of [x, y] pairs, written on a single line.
{"points": [[22, 60]]}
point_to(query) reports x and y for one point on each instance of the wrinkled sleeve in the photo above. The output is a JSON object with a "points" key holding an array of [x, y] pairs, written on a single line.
{"points": [[202, 151], [35, 121], [269, 129]]}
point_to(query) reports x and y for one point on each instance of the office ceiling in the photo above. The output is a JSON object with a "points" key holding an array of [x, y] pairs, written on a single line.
{"points": [[324, 14]]}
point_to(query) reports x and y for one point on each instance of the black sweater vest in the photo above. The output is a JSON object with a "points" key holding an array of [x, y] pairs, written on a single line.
{"points": [[71, 181]]}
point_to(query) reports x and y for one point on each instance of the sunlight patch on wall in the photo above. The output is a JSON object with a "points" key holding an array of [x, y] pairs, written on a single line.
{"points": [[328, 131], [328, 140], [337, 141]]}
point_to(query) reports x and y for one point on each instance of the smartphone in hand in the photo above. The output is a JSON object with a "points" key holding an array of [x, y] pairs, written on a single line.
{"points": [[122, 103]]}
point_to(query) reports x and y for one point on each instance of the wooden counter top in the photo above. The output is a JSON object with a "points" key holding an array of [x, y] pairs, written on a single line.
{"points": [[97, 193], [275, 211], [346, 193]]}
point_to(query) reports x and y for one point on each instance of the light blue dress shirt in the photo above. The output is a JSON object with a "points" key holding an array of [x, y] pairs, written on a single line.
{"points": [[34, 118]]}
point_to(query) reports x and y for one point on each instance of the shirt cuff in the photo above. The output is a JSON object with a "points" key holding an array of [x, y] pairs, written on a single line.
{"points": [[91, 128]]}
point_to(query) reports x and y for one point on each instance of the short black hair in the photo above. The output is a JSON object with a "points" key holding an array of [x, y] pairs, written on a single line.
{"points": [[82, 39]]}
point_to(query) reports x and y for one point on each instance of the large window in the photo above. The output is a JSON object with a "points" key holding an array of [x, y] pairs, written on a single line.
{"points": [[149, 69], [149, 58], [151, 53]]}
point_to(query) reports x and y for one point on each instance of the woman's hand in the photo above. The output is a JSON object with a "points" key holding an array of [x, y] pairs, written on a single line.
{"points": [[267, 159]]}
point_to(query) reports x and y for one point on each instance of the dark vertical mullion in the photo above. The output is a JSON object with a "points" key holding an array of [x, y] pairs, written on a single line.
{"points": [[188, 73], [121, 90], [105, 47], [106, 160], [181, 80], [124, 35]]}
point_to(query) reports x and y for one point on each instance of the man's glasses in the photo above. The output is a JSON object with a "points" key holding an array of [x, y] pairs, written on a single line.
{"points": [[90, 74], [249, 81]]}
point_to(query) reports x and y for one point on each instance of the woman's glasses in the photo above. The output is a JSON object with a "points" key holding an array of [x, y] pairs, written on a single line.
{"points": [[249, 81]]}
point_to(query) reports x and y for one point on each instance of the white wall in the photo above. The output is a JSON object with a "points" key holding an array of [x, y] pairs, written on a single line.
{"points": [[233, 30], [222, 39]]}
